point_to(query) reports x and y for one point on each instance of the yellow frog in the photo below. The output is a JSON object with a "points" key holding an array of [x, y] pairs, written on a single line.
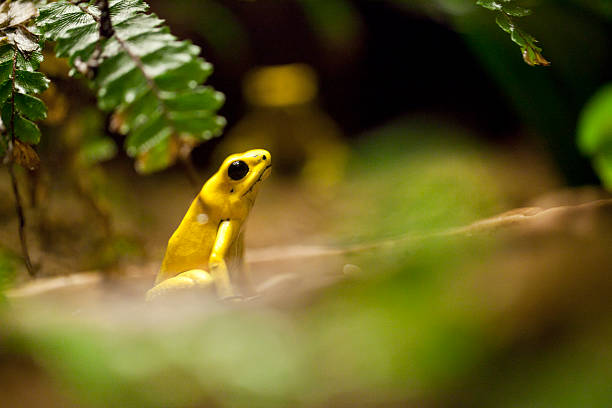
{"points": [[208, 243]]}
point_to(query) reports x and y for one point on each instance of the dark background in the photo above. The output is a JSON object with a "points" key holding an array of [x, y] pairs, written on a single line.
{"points": [[398, 58]]}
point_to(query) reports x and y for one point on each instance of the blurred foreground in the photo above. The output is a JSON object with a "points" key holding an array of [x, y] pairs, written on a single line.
{"points": [[373, 293]]}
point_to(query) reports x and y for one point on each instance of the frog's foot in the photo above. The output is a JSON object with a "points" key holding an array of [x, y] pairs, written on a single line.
{"points": [[193, 279]]}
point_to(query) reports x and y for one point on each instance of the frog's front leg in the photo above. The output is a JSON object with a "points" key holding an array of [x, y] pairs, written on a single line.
{"points": [[193, 279], [226, 234]]}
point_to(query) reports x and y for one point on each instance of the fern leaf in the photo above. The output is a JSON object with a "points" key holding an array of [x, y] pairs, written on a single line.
{"points": [[149, 78], [20, 57], [507, 11]]}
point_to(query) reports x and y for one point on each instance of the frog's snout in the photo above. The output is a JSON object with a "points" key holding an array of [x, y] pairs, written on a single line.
{"points": [[263, 156]]}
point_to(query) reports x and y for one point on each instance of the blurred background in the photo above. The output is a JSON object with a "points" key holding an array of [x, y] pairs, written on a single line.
{"points": [[392, 124]]}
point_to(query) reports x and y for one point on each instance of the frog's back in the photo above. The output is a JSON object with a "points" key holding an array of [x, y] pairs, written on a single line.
{"points": [[190, 245]]}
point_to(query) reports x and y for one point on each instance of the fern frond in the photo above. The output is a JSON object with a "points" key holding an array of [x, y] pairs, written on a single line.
{"points": [[149, 78], [507, 11], [20, 58]]}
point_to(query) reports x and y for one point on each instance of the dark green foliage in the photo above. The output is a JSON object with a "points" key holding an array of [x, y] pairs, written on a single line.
{"points": [[20, 57], [595, 133], [507, 11], [142, 72]]}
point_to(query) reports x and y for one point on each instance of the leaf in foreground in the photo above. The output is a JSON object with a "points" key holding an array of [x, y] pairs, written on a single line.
{"points": [[150, 79]]}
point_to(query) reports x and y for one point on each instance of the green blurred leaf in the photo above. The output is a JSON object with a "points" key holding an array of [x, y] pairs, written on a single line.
{"points": [[150, 133], [98, 150], [201, 98], [595, 123], [157, 155], [595, 132], [603, 165], [337, 23], [418, 177], [199, 124]]}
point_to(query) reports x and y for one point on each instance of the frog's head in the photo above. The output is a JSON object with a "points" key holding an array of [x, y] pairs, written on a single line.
{"points": [[241, 174]]}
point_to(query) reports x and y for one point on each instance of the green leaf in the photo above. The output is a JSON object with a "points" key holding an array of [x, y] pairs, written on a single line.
{"points": [[144, 73], [5, 91], [490, 4], [186, 76], [146, 136], [205, 98], [139, 24], [169, 58], [31, 62], [6, 53], [77, 39], [140, 111], [595, 122], [603, 166], [6, 68], [595, 133], [31, 82], [30, 106], [198, 123], [57, 18], [506, 10], [515, 10], [504, 23], [158, 157], [20, 57], [146, 43], [126, 90], [26, 131]]}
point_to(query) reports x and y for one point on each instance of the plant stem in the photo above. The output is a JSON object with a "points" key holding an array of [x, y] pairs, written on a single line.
{"points": [[20, 215]]}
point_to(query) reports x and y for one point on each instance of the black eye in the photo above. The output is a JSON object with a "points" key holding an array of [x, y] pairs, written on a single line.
{"points": [[237, 170]]}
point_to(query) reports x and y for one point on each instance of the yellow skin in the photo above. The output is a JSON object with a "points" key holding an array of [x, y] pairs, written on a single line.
{"points": [[208, 244]]}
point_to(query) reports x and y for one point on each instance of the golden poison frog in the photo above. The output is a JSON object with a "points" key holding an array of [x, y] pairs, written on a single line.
{"points": [[208, 244]]}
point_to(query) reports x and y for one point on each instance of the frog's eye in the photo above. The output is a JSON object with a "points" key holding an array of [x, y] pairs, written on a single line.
{"points": [[237, 170]]}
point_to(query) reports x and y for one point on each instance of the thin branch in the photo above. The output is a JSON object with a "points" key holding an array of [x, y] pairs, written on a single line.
{"points": [[20, 215], [106, 27]]}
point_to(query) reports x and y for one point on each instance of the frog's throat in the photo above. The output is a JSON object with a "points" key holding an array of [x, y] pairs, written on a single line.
{"points": [[260, 178]]}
